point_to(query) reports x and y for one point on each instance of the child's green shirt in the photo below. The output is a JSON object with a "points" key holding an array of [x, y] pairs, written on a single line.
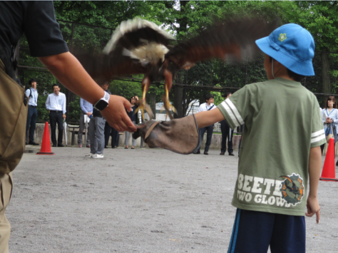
{"points": [[281, 123]]}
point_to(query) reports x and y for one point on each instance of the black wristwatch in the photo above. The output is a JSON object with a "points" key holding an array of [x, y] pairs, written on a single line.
{"points": [[103, 102]]}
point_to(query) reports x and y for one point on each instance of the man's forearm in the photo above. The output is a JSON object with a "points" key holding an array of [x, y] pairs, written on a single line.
{"points": [[315, 163], [68, 70]]}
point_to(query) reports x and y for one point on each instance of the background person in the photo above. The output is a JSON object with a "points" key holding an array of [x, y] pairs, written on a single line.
{"points": [[227, 133], [86, 109], [132, 117], [207, 106], [32, 115], [115, 137], [56, 105], [139, 119], [107, 134], [330, 118], [96, 131], [107, 127]]}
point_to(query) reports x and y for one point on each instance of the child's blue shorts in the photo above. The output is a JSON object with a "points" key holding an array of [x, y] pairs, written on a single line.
{"points": [[253, 232]]}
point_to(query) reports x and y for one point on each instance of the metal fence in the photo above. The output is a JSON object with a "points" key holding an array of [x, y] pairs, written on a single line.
{"points": [[88, 37]]}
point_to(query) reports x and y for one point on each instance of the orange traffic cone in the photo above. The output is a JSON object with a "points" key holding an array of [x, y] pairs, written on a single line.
{"points": [[45, 146], [329, 169]]}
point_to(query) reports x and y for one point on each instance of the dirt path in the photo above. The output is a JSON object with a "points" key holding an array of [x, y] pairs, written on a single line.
{"points": [[142, 200]]}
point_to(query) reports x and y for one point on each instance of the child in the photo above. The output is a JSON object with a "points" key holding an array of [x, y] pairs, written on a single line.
{"points": [[283, 133]]}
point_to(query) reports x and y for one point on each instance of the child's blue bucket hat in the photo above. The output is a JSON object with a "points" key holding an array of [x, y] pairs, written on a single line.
{"points": [[291, 45]]}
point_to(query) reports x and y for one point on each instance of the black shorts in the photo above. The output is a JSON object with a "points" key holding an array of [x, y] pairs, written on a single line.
{"points": [[254, 232]]}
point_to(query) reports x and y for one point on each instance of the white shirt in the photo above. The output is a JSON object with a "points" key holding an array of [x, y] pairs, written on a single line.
{"points": [[33, 96], [205, 107], [56, 103], [333, 114]]}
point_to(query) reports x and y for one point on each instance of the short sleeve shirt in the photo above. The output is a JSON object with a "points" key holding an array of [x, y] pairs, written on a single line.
{"points": [[282, 123], [205, 107], [37, 20]]}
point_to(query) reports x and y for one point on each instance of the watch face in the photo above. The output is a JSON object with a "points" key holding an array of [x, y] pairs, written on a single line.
{"points": [[101, 105]]}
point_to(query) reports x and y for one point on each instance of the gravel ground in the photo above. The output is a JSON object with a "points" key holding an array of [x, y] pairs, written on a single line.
{"points": [[142, 200]]}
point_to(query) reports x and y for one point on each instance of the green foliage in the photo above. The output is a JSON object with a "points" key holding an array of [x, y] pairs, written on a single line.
{"points": [[43, 114], [184, 19], [74, 110], [125, 89], [218, 97]]}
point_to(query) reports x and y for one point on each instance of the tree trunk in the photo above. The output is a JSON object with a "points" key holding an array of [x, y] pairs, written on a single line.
{"points": [[325, 71], [178, 91], [178, 97]]}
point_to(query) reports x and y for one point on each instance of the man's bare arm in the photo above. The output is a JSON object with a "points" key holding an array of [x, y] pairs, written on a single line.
{"points": [[68, 70]]}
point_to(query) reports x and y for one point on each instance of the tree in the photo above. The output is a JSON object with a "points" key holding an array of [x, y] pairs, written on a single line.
{"points": [[185, 19], [320, 18]]}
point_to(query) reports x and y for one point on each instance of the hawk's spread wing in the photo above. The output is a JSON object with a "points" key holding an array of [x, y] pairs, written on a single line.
{"points": [[232, 39], [134, 46]]}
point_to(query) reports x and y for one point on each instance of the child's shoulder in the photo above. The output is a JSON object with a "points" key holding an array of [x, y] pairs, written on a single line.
{"points": [[259, 85]]}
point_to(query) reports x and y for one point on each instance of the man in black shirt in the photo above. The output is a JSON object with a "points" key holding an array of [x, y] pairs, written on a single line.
{"points": [[36, 19]]}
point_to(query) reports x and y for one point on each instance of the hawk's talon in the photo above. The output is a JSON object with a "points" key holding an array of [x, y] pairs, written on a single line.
{"points": [[143, 106], [167, 106]]}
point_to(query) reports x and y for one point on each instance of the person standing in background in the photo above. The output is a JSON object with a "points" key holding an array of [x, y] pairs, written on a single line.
{"points": [[96, 131], [115, 137], [330, 120], [87, 109], [207, 106], [107, 128], [32, 115], [56, 105], [132, 117], [139, 119], [227, 133]]}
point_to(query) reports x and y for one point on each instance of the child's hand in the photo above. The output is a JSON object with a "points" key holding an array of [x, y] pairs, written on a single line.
{"points": [[328, 120], [313, 208]]}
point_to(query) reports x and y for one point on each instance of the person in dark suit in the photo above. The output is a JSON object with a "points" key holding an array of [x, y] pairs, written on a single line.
{"points": [[227, 133]]}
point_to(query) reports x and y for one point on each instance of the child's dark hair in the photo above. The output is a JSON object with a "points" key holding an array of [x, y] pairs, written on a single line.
{"points": [[292, 74], [208, 96]]}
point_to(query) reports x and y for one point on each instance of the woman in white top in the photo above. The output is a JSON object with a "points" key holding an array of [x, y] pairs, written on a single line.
{"points": [[330, 114]]}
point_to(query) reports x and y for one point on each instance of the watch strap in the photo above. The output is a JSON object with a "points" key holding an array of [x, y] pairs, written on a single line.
{"points": [[103, 102]]}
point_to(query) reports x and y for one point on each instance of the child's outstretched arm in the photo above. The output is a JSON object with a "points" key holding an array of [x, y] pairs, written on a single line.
{"points": [[208, 118], [315, 162]]}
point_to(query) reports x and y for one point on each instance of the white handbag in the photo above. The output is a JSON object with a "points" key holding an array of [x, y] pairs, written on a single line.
{"points": [[86, 118]]}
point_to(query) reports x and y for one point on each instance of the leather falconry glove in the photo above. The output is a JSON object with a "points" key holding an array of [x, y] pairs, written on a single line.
{"points": [[178, 135]]}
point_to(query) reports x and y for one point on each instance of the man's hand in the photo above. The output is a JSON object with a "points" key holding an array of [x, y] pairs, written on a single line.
{"points": [[64, 116], [89, 113], [313, 208], [116, 114]]}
